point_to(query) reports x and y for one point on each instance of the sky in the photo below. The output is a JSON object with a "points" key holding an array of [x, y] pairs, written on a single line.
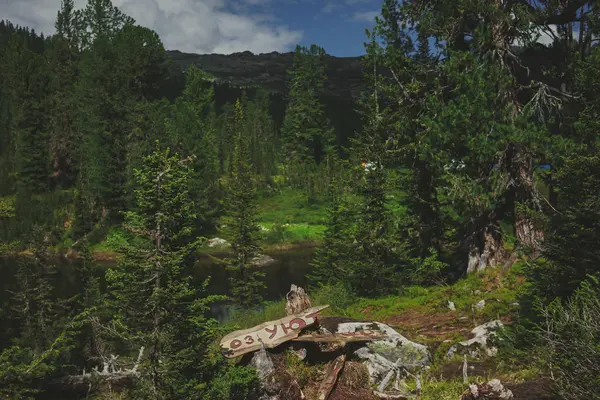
{"points": [[229, 26]]}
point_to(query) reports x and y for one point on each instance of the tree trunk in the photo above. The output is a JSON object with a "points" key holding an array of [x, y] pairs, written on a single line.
{"points": [[297, 301], [486, 251], [523, 193]]}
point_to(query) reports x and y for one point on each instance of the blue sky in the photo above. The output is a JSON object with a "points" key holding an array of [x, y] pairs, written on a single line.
{"points": [[227, 26], [337, 25]]}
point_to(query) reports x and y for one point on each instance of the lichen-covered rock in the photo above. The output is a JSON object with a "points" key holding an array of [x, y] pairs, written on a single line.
{"points": [[493, 390], [480, 305], [385, 358], [262, 363], [218, 243], [274, 379], [479, 345]]}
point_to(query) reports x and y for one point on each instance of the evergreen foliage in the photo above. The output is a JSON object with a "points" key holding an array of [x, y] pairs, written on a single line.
{"points": [[153, 303], [242, 228], [478, 148]]}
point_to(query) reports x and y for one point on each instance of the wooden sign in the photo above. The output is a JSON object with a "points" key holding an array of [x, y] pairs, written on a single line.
{"points": [[358, 336], [271, 334]]}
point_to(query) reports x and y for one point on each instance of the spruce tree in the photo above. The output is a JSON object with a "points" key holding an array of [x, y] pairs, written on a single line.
{"points": [[242, 230], [62, 56], [29, 124], [192, 130], [154, 303], [330, 265], [307, 138]]}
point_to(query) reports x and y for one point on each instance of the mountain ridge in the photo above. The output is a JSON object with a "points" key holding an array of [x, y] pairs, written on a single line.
{"points": [[269, 70]]}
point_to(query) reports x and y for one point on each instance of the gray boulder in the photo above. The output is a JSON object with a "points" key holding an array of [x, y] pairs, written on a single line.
{"points": [[479, 345], [388, 358], [493, 390], [218, 243]]}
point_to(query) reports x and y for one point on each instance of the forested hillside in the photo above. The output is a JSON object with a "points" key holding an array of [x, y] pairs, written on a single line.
{"points": [[462, 167]]}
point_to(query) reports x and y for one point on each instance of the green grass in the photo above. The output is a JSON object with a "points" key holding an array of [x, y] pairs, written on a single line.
{"points": [[434, 389], [498, 289], [290, 206], [292, 233], [242, 319]]}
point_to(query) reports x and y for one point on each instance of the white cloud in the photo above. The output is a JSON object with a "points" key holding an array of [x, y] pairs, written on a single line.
{"points": [[329, 7], [367, 16], [197, 26], [546, 35]]}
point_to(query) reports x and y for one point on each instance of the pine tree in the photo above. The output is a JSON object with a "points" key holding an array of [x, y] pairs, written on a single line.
{"points": [[261, 129], [330, 264], [192, 129], [242, 229], [154, 304], [307, 138], [62, 56], [29, 125]]}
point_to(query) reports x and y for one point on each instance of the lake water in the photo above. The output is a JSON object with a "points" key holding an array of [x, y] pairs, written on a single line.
{"points": [[290, 266]]}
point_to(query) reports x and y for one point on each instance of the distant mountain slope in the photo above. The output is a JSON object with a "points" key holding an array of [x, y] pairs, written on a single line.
{"points": [[270, 70]]}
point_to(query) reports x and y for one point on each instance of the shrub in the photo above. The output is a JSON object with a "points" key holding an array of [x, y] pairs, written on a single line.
{"points": [[571, 332], [238, 383]]}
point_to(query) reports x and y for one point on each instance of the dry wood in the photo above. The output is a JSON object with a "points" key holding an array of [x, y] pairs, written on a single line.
{"points": [[297, 301], [271, 334], [360, 336], [331, 377]]}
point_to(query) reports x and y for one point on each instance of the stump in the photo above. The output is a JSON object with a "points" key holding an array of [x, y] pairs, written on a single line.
{"points": [[297, 300]]}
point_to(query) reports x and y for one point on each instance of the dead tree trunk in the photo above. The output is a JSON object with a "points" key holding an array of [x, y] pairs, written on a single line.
{"points": [[297, 300], [485, 249], [524, 196]]}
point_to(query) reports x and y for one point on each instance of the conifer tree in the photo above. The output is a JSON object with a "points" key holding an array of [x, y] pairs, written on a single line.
{"points": [[62, 56], [192, 129], [330, 264], [241, 214], [154, 304], [29, 123], [307, 138]]}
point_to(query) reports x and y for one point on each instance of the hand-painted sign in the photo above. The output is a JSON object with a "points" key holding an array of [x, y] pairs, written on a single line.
{"points": [[271, 334]]}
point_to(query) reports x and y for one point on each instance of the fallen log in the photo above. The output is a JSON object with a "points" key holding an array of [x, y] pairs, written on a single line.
{"points": [[271, 334], [360, 336], [331, 377]]}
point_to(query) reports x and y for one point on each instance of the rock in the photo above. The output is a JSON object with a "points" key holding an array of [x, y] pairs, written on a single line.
{"points": [[301, 353], [480, 305], [218, 242], [385, 358], [493, 390], [297, 300], [262, 260], [451, 305], [478, 345], [274, 381], [262, 363]]}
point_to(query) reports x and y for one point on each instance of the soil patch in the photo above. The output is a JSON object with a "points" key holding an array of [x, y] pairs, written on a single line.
{"points": [[439, 326]]}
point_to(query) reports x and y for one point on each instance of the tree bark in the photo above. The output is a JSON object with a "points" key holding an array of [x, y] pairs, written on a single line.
{"points": [[297, 301], [486, 250]]}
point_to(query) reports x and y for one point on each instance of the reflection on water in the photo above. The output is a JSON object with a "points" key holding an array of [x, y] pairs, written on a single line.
{"points": [[290, 266]]}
